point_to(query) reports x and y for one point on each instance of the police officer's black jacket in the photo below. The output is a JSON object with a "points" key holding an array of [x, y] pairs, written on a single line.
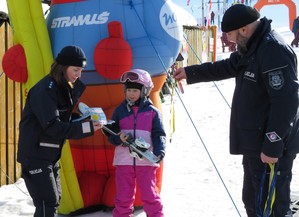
{"points": [[45, 123], [264, 113]]}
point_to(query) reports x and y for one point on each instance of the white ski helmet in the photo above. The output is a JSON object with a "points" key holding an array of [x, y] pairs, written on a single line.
{"points": [[138, 76]]}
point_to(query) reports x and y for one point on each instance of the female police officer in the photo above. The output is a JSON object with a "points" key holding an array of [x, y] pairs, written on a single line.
{"points": [[46, 124]]}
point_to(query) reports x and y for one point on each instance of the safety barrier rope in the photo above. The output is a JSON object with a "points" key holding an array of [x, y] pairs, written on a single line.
{"points": [[12, 182]]}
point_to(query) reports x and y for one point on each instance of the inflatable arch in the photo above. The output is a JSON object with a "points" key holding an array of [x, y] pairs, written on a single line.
{"points": [[289, 3], [116, 36]]}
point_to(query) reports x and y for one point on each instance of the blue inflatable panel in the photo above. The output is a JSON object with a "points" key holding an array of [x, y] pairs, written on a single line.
{"points": [[149, 26]]}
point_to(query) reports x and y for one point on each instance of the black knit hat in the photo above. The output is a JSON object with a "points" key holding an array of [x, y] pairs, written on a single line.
{"points": [[71, 56], [237, 16]]}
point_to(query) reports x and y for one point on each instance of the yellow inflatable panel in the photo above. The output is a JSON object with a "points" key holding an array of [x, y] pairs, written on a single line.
{"points": [[30, 31], [71, 195]]}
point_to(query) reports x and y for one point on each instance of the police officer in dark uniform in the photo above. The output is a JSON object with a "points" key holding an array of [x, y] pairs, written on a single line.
{"points": [[264, 115], [46, 124]]}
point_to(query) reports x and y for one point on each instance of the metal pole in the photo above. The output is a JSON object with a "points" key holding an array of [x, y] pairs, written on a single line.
{"points": [[218, 13], [202, 12]]}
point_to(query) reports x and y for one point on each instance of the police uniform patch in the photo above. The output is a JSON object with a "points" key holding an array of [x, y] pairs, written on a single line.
{"points": [[273, 137], [276, 80]]}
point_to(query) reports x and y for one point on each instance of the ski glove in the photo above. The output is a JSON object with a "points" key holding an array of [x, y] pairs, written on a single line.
{"points": [[129, 140], [111, 126], [161, 154], [75, 116]]}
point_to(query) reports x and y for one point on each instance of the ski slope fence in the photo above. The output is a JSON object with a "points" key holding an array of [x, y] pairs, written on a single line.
{"points": [[10, 113]]}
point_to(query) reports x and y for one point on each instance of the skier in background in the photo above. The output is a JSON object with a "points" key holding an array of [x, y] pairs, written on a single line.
{"points": [[264, 114], [137, 117]]}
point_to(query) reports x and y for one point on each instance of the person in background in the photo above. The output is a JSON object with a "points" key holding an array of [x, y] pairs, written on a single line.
{"points": [[295, 41], [46, 124], [296, 32], [226, 43], [264, 114], [295, 26], [137, 117], [212, 18]]}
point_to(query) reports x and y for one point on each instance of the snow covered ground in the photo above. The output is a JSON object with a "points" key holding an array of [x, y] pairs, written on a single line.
{"points": [[200, 177]]}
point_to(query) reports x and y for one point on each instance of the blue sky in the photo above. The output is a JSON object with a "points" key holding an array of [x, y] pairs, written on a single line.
{"points": [[195, 9], [269, 11]]}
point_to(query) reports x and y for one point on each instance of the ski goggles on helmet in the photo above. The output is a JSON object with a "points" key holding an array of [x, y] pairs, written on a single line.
{"points": [[137, 76], [130, 76]]}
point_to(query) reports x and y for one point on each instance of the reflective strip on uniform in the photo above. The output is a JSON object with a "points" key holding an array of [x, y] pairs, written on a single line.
{"points": [[50, 145]]}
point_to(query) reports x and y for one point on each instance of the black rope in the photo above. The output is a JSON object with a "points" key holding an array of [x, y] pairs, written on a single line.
{"points": [[12, 182]]}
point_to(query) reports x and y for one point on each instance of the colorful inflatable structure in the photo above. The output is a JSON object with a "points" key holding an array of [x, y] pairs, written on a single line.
{"points": [[116, 36]]}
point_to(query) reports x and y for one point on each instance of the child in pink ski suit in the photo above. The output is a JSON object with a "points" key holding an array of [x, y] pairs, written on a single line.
{"points": [[137, 117]]}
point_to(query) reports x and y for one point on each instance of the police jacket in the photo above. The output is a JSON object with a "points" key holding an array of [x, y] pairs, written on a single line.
{"points": [[139, 121], [45, 123], [264, 113]]}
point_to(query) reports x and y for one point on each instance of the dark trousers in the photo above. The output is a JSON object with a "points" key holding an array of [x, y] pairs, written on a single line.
{"points": [[296, 39], [43, 184], [253, 172]]}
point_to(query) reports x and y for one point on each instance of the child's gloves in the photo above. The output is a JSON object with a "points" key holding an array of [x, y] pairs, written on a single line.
{"points": [[111, 126], [126, 139]]}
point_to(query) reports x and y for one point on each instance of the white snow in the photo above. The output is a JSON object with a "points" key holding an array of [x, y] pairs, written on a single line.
{"points": [[195, 164]]}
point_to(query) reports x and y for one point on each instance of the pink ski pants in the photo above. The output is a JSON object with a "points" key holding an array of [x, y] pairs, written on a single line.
{"points": [[126, 179]]}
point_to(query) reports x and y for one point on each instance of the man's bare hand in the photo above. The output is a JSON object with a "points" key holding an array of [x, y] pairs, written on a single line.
{"points": [[179, 74], [266, 159]]}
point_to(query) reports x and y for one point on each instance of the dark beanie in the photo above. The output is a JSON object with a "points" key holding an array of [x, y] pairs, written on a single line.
{"points": [[71, 56], [133, 85], [237, 16]]}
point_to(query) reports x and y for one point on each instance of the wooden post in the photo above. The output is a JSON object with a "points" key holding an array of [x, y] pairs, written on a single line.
{"points": [[10, 113]]}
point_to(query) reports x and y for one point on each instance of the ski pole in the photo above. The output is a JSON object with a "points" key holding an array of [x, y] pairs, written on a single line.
{"points": [[271, 191]]}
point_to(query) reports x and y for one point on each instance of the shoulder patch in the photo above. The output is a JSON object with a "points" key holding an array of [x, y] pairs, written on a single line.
{"points": [[269, 37], [276, 80]]}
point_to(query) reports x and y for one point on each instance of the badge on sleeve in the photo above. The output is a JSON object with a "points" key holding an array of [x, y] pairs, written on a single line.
{"points": [[273, 137], [276, 80]]}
